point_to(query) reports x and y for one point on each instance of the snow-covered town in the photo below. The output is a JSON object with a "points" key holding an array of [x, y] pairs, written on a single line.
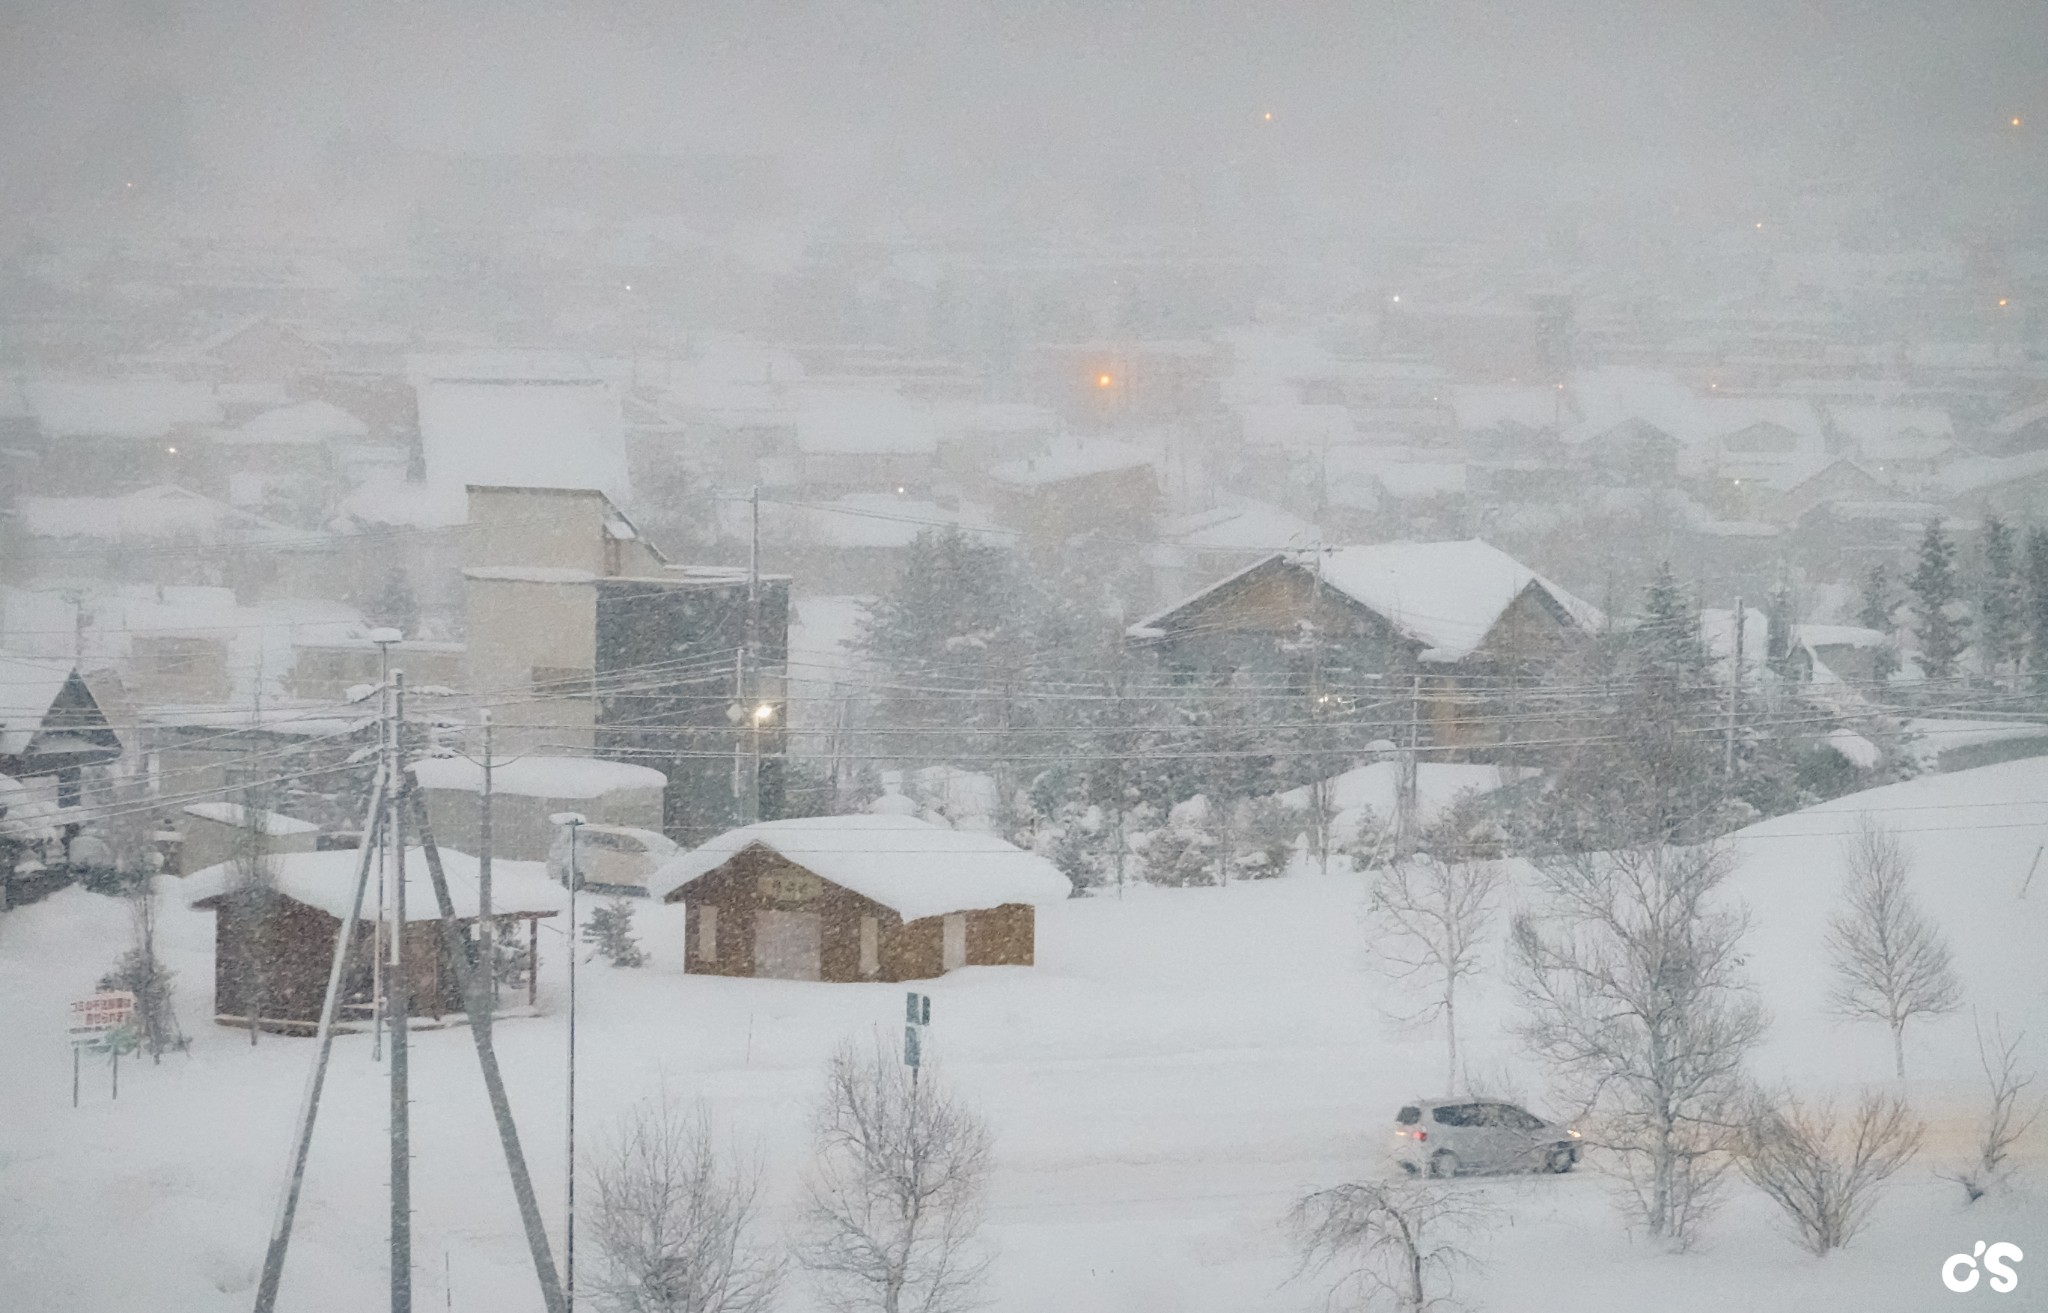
{"points": [[1127, 658]]}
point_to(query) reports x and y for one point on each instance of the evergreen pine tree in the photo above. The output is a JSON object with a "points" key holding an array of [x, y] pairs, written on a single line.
{"points": [[2001, 629], [610, 931], [1943, 634], [2037, 605], [1878, 606]]}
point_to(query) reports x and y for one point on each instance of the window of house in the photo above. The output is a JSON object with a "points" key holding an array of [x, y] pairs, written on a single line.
{"points": [[707, 933], [563, 681], [953, 948], [870, 946]]}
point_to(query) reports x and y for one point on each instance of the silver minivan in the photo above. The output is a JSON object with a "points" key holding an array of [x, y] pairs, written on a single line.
{"points": [[1443, 1137]]}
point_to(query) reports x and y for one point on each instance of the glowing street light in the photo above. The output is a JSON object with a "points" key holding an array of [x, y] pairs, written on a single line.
{"points": [[1104, 380]]}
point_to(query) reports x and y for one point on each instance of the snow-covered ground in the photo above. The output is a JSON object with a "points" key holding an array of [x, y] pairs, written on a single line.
{"points": [[1176, 1070]]}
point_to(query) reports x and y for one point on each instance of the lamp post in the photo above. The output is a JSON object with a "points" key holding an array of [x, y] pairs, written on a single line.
{"points": [[570, 821], [383, 638], [762, 714]]}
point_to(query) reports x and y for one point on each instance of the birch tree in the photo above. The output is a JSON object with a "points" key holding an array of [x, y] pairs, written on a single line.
{"points": [[1427, 919], [1890, 962], [1630, 978], [674, 1220], [895, 1195]]}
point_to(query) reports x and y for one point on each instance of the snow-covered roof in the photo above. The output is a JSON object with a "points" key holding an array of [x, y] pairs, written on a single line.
{"points": [[1978, 472], [523, 430], [327, 881], [864, 422], [2008, 425], [1837, 636], [1479, 408], [235, 814], [1296, 424], [119, 408], [879, 520], [1894, 431], [1447, 596], [529, 574], [304, 424], [386, 496], [539, 777], [1239, 527], [1409, 479], [910, 866], [1079, 461], [161, 513], [28, 686]]}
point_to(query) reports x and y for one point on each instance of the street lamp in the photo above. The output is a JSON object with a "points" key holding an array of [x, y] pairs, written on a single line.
{"points": [[572, 821], [383, 638]]}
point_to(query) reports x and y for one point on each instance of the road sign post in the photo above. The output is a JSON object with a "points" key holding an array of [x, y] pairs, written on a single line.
{"points": [[101, 1023], [917, 1014]]}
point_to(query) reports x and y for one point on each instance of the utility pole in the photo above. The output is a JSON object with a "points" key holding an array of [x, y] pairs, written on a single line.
{"points": [[749, 666], [383, 638], [573, 820], [1409, 785], [399, 1010], [1319, 759], [486, 929], [1734, 693]]}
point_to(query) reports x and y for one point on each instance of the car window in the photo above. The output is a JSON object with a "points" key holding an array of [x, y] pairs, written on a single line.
{"points": [[1456, 1114], [1408, 1116]]}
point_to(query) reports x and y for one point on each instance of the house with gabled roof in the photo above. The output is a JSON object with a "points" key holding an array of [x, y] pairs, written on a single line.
{"points": [[1431, 624], [51, 724], [846, 898]]}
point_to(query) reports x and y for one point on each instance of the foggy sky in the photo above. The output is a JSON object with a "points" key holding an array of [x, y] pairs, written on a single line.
{"points": [[1129, 112]]}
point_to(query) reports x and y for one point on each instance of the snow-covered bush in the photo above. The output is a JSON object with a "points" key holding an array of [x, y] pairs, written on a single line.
{"points": [[1264, 836], [1393, 1244], [1825, 1175]]}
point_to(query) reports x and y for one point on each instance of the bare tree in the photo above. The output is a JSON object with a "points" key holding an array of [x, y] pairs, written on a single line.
{"points": [[673, 1220], [1823, 1175], [1394, 1243], [1428, 917], [1631, 980], [128, 827], [896, 1192], [1890, 961], [2011, 1114], [252, 897]]}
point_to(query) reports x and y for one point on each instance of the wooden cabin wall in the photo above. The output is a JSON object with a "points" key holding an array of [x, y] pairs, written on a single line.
{"points": [[1002, 936]]}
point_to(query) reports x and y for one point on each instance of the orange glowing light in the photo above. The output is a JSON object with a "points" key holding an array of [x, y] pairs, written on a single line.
{"points": [[2001, 300], [2015, 119], [1269, 118], [1103, 380]]}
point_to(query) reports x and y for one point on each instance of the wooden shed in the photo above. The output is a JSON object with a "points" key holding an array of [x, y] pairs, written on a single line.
{"points": [[273, 947], [848, 898]]}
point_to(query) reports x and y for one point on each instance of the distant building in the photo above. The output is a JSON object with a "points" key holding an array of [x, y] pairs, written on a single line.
{"points": [[849, 898], [592, 643], [1435, 625], [51, 725]]}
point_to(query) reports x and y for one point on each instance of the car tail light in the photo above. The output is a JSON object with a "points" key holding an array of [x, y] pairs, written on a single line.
{"points": [[1420, 1136]]}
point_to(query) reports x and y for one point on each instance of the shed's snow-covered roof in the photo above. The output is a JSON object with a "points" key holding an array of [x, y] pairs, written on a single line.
{"points": [[1838, 636], [327, 881], [28, 685], [1241, 526], [910, 866], [539, 777], [272, 823]]}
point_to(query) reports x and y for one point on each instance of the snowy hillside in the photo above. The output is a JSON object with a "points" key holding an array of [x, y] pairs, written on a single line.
{"points": [[1177, 1068]]}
